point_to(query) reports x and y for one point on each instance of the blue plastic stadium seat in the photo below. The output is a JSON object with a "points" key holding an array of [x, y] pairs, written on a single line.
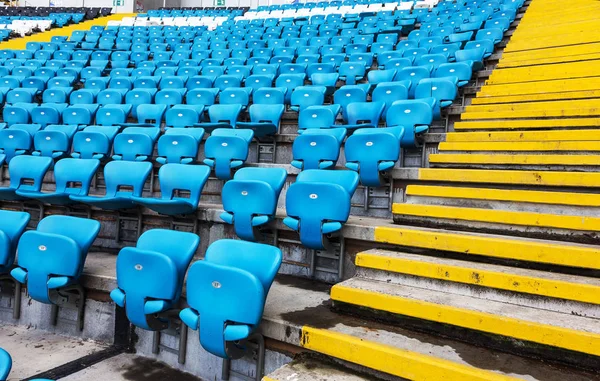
{"points": [[179, 145], [414, 115], [14, 142], [305, 96], [250, 199], [181, 117], [389, 92], [379, 76], [46, 114], [26, 173], [159, 253], [72, 176], [53, 256], [437, 92], [119, 174], [264, 119], [94, 142], [472, 57], [317, 149], [133, 146], [80, 114], [373, 151], [269, 95], [348, 94], [221, 116], [318, 204], [226, 150], [12, 225], [229, 308], [364, 114], [174, 178], [317, 117], [458, 72]]}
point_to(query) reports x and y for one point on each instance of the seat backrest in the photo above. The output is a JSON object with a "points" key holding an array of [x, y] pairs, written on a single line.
{"points": [[409, 113], [28, 168], [12, 225], [132, 174], [74, 176], [175, 177], [316, 117], [82, 230]]}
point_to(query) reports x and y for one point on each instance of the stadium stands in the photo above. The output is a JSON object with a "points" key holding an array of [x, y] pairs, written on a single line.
{"points": [[350, 142]]}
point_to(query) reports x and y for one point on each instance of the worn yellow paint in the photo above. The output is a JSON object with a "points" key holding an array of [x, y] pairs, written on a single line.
{"points": [[515, 159], [521, 146], [562, 51], [485, 100], [509, 195], [580, 341], [387, 359], [503, 217], [585, 293], [267, 378], [492, 246], [489, 176], [526, 124], [544, 72], [525, 136], [541, 113], [544, 61], [537, 106], [20, 43], [541, 87]]}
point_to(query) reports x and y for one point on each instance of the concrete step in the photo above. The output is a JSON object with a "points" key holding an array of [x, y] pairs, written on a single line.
{"points": [[511, 178], [543, 87], [520, 161], [561, 226], [526, 124], [524, 136], [583, 94], [310, 368], [579, 147], [509, 326], [446, 195], [558, 105], [568, 294], [493, 248], [300, 315]]}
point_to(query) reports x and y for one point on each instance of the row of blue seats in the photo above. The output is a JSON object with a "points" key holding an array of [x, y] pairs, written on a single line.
{"points": [[249, 199], [226, 291], [180, 145]]}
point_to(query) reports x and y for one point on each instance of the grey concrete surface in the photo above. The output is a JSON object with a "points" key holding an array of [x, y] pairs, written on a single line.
{"points": [[34, 351]]}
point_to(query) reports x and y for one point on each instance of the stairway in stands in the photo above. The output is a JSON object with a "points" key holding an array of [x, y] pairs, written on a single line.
{"points": [[496, 243]]}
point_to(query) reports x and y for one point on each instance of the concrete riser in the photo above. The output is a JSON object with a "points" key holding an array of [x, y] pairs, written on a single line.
{"points": [[99, 318], [568, 307], [501, 343]]}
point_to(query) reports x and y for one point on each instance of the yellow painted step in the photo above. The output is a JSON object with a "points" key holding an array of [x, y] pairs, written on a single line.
{"points": [[503, 217], [543, 146], [515, 159], [533, 178], [523, 33], [509, 195], [545, 72], [540, 113], [486, 100], [578, 104], [583, 256], [526, 124], [542, 283], [541, 87], [491, 317], [391, 360], [524, 136], [545, 61], [563, 51]]}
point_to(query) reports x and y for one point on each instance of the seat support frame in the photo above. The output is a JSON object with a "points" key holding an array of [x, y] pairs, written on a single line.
{"points": [[257, 342]]}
